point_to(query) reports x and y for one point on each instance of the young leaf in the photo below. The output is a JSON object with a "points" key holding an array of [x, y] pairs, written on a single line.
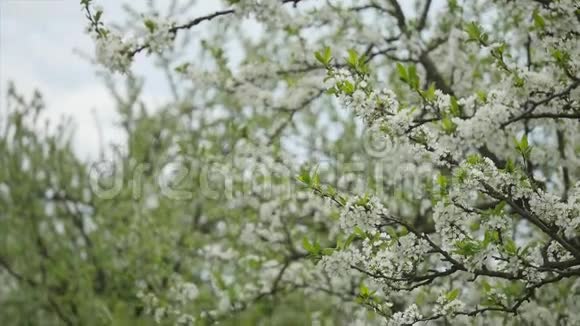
{"points": [[452, 295], [304, 177], [523, 147], [402, 72], [307, 245], [353, 58], [429, 94], [364, 291], [539, 21], [448, 125], [151, 26], [413, 77], [349, 240], [324, 56], [392, 233], [486, 286], [455, 109], [510, 247]]}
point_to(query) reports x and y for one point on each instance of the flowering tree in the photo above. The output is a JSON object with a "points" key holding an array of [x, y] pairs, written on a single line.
{"points": [[366, 162]]}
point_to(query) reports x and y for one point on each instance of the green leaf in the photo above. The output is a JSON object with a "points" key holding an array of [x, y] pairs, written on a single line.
{"points": [[474, 226], [304, 177], [353, 58], [330, 191], [331, 91], [510, 247], [429, 94], [324, 56], [474, 159], [315, 180], [475, 34], [413, 77], [349, 240], [409, 76], [98, 15], [461, 174], [510, 166], [151, 26], [455, 109], [404, 231], [491, 236], [347, 87], [486, 286], [452, 295], [442, 181], [539, 21], [402, 72], [182, 68], [453, 5], [392, 232], [482, 96], [473, 31], [219, 281], [363, 201], [364, 291], [467, 247], [327, 54], [327, 251], [319, 57], [358, 231], [523, 147], [518, 81], [448, 125], [307, 245], [562, 58], [498, 210]]}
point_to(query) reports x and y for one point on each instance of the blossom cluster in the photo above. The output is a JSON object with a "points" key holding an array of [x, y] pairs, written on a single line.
{"points": [[114, 49], [488, 120]]}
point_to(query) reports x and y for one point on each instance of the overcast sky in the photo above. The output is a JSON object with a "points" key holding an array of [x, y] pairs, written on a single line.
{"points": [[39, 45], [37, 42]]}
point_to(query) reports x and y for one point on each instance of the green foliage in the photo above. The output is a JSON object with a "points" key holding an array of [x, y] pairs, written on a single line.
{"points": [[324, 56], [365, 295], [523, 147], [429, 93], [409, 75], [151, 25], [468, 247], [510, 247], [474, 159], [448, 125], [562, 58], [539, 21], [476, 34], [358, 63], [452, 295]]}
